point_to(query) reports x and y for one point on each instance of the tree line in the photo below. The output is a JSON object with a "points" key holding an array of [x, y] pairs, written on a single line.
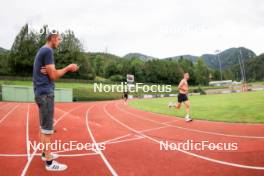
{"points": [[100, 66]]}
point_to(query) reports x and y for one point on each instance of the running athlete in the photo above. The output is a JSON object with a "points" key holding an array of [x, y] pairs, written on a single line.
{"points": [[183, 97]]}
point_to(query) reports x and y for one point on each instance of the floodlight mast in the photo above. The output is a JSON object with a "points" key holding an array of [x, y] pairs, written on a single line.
{"points": [[241, 69], [243, 66], [219, 61]]}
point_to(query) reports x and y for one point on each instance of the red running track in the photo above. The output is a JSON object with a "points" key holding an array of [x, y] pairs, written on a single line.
{"points": [[132, 142]]}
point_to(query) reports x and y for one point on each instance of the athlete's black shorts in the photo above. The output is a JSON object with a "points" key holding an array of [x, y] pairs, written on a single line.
{"points": [[125, 95], [182, 97]]}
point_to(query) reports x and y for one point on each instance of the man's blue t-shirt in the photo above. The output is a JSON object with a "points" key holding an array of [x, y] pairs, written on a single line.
{"points": [[42, 83]]}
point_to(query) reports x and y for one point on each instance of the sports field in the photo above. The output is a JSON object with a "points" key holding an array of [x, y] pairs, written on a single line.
{"points": [[236, 107]]}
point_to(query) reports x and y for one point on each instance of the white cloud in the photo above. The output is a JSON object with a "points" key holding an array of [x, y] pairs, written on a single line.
{"points": [[158, 28]]}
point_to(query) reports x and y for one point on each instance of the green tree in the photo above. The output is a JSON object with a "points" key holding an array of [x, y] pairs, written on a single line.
{"points": [[98, 65], [135, 67], [23, 51], [4, 68], [201, 72], [70, 51]]}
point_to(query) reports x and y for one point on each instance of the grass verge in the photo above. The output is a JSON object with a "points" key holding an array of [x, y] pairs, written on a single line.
{"points": [[236, 107]]}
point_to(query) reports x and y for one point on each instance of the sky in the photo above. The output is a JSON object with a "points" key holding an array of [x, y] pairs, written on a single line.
{"points": [[159, 28]]}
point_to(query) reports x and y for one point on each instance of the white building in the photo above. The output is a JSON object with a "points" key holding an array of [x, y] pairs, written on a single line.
{"points": [[221, 83]]}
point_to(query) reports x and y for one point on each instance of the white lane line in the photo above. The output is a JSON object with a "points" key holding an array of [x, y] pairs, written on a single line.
{"points": [[69, 155], [32, 156], [97, 124], [39, 154], [114, 139], [13, 155], [28, 163], [113, 172], [65, 113], [216, 133], [62, 151], [27, 134], [191, 129], [183, 151], [72, 155], [153, 129], [125, 140], [9, 112], [171, 121], [77, 155], [117, 140]]}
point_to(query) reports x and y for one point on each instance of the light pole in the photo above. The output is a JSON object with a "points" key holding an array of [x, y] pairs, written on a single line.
{"points": [[243, 66], [219, 61]]}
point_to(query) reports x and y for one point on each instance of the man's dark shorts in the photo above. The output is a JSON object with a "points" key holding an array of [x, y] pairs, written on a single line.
{"points": [[182, 97], [125, 95], [45, 103]]}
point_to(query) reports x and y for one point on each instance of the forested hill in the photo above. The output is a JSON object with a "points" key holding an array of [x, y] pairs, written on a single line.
{"points": [[140, 56], [254, 68], [2, 50], [228, 58]]}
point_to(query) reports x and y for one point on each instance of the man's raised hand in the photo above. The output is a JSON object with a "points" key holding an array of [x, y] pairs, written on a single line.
{"points": [[72, 67]]}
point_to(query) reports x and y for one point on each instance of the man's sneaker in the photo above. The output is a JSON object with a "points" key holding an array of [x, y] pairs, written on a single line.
{"points": [[170, 104], [56, 166], [188, 118], [54, 156]]}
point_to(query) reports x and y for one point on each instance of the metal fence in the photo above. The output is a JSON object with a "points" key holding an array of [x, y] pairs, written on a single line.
{"points": [[26, 94]]}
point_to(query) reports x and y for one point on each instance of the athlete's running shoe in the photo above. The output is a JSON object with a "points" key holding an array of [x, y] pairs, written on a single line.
{"points": [[170, 104], [188, 118], [56, 166]]}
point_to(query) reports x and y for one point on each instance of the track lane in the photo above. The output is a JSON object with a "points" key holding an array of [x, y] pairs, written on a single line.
{"points": [[131, 152], [74, 123], [12, 136], [127, 122]]}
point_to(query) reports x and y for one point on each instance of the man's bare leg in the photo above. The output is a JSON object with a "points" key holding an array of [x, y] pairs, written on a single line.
{"points": [[42, 142], [187, 106], [178, 105], [45, 139], [187, 110]]}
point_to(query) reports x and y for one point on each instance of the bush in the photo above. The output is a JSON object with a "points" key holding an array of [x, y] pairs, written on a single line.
{"points": [[199, 90], [87, 94], [0, 92], [116, 78]]}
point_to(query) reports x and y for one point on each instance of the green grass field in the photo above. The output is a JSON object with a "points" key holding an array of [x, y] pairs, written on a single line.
{"points": [[236, 107]]}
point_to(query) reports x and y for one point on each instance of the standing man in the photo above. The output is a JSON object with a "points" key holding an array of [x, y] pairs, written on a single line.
{"points": [[44, 75], [183, 97]]}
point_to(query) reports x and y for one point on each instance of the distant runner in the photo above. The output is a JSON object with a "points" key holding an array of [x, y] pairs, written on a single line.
{"points": [[183, 97], [125, 96]]}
